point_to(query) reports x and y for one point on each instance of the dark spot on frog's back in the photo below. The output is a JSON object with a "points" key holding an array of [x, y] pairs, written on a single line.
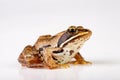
{"points": [[46, 46], [71, 52], [41, 49], [53, 37]]}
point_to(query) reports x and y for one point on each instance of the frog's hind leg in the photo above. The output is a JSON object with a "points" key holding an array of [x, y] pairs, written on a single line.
{"points": [[29, 57], [80, 59], [21, 60]]}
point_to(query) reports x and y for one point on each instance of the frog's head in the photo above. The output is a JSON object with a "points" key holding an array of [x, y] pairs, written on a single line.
{"points": [[70, 42], [74, 36]]}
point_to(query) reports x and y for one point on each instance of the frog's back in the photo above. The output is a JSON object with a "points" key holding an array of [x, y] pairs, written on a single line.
{"points": [[45, 40], [42, 41]]}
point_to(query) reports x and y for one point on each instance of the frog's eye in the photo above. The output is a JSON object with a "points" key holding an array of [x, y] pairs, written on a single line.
{"points": [[72, 29]]}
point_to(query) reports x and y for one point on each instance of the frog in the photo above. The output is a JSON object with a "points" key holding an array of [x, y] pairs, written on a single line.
{"points": [[57, 50]]}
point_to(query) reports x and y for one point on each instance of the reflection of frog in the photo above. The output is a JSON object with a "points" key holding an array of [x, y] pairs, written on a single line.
{"points": [[53, 51]]}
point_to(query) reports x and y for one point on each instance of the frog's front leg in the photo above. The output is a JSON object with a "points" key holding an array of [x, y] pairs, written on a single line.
{"points": [[80, 59], [48, 57]]}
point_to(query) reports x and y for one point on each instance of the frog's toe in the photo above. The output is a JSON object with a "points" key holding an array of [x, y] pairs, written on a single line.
{"points": [[81, 62], [86, 62], [65, 65]]}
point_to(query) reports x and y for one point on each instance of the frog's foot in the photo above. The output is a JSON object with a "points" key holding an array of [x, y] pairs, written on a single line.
{"points": [[86, 62], [64, 65], [51, 64], [35, 65], [33, 61], [81, 62]]}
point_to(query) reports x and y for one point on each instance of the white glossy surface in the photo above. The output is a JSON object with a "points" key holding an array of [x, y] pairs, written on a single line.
{"points": [[22, 21]]}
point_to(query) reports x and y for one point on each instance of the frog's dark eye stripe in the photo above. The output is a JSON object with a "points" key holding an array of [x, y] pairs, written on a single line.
{"points": [[63, 38]]}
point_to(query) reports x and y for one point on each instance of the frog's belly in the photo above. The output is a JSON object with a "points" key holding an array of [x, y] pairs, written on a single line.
{"points": [[65, 58]]}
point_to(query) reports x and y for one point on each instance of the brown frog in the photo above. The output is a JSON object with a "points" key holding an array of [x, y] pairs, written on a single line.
{"points": [[54, 51]]}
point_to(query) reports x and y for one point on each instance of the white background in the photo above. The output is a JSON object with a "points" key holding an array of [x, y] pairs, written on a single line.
{"points": [[22, 21]]}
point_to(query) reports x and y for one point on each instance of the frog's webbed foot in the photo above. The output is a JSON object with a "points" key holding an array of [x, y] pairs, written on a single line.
{"points": [[80, 60], [65, 65], [29, 57]]}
